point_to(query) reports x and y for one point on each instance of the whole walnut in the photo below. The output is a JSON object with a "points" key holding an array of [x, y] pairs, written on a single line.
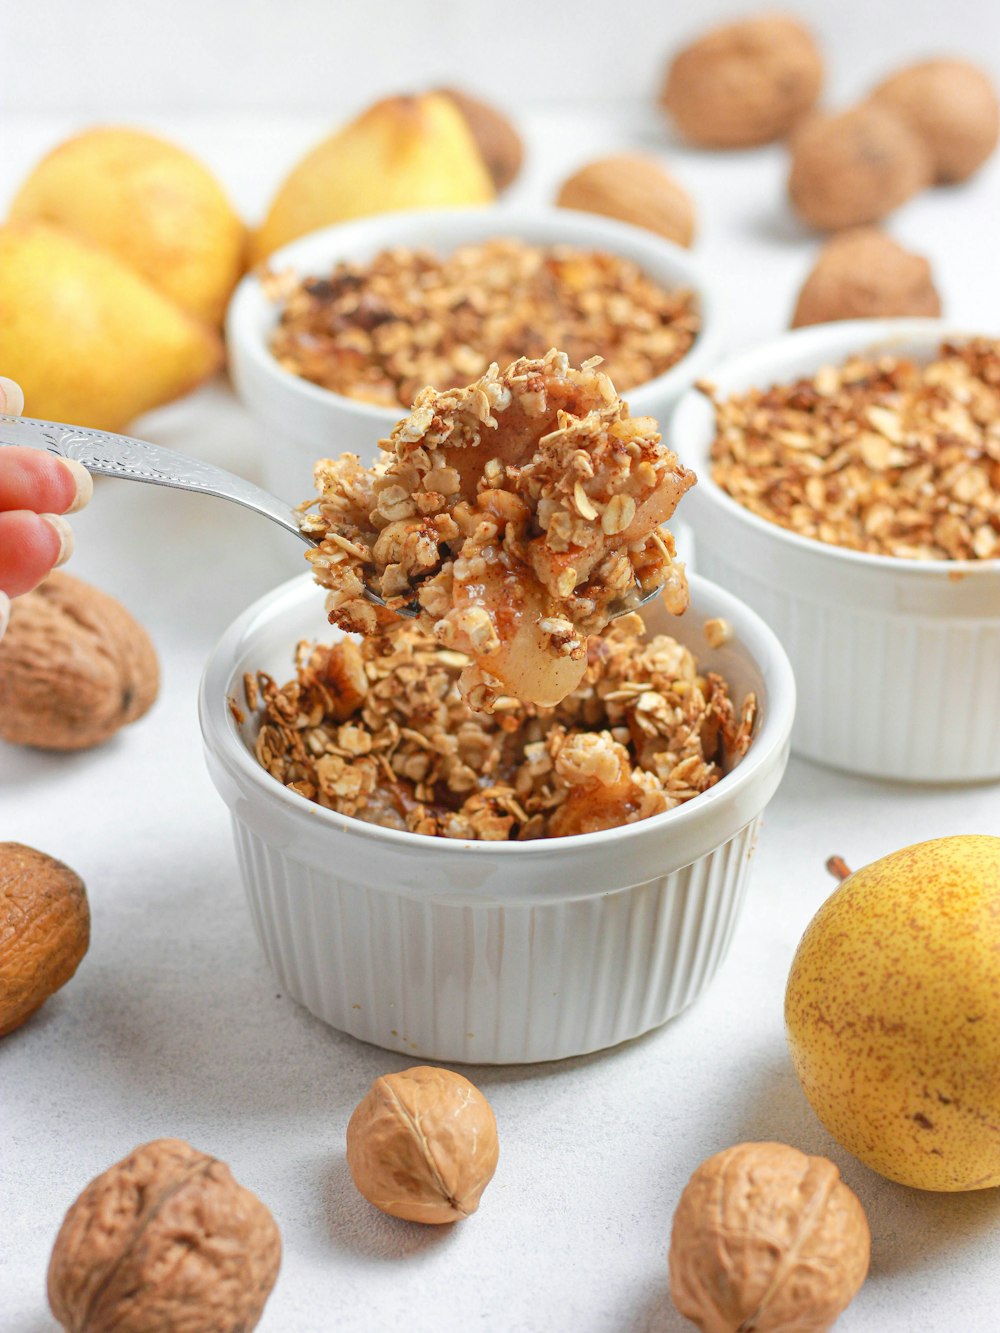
{"points": [[855, 167], [744, 83], [865, 274], [74, 667], [634, 189], [44, 930], [952, 107], [422, 1145], [164, 1240], [767, 1238], [498, 142]]}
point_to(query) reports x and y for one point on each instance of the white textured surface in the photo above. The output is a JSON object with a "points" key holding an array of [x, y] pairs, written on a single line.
{"points": [[174, 1025], [521, 982]]}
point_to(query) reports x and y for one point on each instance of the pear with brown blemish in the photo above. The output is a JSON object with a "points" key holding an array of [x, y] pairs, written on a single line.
{"points": [[893, 1014]]}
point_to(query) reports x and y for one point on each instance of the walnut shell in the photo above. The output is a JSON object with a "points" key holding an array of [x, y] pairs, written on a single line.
{"points": [[74, 667], [422, 1145], [855, 167], [952, 107], [767, 1238], [498, 142], [865, 274], [634, 189], [164, 1239], [744, 83], [44, 930]]}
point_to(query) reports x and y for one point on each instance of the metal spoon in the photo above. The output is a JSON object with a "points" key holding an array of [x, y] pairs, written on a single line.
{"points": [[108, 455]]}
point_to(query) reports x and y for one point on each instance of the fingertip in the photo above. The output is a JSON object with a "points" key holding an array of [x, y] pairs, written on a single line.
{"points": [[11, 397], [65, 534], [83, 484]]}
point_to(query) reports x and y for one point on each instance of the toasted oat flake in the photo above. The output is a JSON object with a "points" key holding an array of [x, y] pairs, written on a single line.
{"points": [[643, 732], [547, 524], [717, 631], [383, 331], [882, 455]]}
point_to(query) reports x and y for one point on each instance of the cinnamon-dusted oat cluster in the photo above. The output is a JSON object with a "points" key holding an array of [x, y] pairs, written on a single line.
{"points": [[379, 730], [382, 331], [519, 515], [882, 455]]}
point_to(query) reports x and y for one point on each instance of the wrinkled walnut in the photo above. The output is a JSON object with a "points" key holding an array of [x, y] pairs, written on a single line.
{"points": [[498, 142], [422, 1145], [44, 930], [855, 167], [952, 107], [865, 274], [634, 189], [744, 83], [164, 1240], [766, 1238], [74, 667]]}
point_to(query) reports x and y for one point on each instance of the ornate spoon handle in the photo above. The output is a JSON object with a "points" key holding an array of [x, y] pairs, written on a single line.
{"points": [[109, 455]]}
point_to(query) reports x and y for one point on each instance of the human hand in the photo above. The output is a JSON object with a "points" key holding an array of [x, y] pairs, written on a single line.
{"points": [[36, 490]]}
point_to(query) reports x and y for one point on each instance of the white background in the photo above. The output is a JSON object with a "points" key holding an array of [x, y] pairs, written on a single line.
{"points": [[173, 1024]]}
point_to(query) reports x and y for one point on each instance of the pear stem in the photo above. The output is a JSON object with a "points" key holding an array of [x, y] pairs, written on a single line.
{"points": [[839, 868]]}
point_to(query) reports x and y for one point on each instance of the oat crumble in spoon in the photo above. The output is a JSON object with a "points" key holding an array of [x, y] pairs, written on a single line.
{"points": [[521, 515]]}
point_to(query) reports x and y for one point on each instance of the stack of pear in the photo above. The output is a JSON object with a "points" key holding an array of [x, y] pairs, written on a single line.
{"points": [[115, 269]]}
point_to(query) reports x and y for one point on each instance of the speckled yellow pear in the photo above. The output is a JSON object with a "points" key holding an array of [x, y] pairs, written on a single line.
{"points": [[151, 204], [403, 152], [893, 1014], [88, 339]]}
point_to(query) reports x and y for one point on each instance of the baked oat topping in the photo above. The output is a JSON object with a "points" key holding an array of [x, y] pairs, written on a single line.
{"points": [[885, 455], [382, 331], [518, 515], [379, 729]]}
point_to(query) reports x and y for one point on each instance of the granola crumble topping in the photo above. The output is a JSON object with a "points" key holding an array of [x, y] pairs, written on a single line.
{"points": [[518, 514], [378, 729], [382, 331], [884, 456]]}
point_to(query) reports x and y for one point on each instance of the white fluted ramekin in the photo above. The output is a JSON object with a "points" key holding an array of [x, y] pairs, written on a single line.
{"points": [[897, 661], [302, 422], [493, 952]]}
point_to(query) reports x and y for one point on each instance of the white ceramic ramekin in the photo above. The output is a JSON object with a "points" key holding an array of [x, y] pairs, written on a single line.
{"points": [[302, 422], [493, 952], [897, 662]]}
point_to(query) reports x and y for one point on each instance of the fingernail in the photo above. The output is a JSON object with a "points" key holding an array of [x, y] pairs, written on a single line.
{"points": [[13, 397], [83, 482], [65, 534], [4, 613]]}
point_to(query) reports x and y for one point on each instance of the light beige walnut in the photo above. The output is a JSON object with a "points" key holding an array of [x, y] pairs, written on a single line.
{"points": [[744, 83], [74, 667], [496, 138], [634, 189], [44, 930], [865, 274], [422, 1145], [855, 167], [769, 1239], [952, 107], [163, 1240]]}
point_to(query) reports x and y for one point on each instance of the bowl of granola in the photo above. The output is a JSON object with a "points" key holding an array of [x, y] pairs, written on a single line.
{"points": [[329, 346], [849, 491], [521, 885]]}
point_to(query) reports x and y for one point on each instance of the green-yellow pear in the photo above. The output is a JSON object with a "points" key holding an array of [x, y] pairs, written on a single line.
{"points": [[151, 204], [89, 340], [403, 152], [893, 1014]]}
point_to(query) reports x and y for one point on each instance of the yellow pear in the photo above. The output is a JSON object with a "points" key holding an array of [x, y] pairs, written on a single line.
{"points": [[154, 206], [403, 152], [893, 1014], [89, 340]]}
